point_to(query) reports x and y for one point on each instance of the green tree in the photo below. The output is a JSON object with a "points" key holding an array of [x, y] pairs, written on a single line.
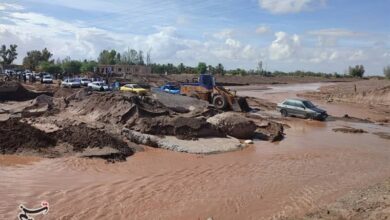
{"points": [[202, 68], [181, 68], [71, 67], [107, 57], [8, 55], [88, 66], [50, 67], [357, 71], [35, 57], [219, 69], [386, 71]]}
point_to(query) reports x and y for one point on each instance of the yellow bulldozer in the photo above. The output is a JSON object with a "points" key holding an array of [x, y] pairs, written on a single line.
{"points": [[204, 88]]}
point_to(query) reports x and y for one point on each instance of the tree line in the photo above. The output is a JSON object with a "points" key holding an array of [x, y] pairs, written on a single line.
{"points": [[42, 61]]}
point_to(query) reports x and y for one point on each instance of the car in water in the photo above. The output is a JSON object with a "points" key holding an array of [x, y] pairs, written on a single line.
{"points": [[71, 83], [301, 108], [47, 79], [134, 88], [171, 89], [98, 86]]}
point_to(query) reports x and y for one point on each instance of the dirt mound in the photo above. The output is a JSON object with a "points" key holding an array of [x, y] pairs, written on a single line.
{"points": [[234, 125], [17, 136], [349, 130], [181, 127], [82, 137], [14, 91]]}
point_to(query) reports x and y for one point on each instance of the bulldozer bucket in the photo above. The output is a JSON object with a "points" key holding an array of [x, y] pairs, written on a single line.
{"points": [[240, 105]]}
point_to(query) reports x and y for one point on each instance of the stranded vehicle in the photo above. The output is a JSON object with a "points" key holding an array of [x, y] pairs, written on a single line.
{"points": [[71, 83], [98, 86], [134, 88], [301, 108]]}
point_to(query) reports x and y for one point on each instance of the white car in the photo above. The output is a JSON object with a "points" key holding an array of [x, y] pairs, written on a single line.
{"points": [[47, 79], [98, 86], [85, 81], [71, 83]]}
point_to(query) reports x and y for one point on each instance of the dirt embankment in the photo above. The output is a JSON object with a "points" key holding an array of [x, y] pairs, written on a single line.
{"points": [[14, 91], [369, 92], [372, 203], [250, 80], [23, 138]]}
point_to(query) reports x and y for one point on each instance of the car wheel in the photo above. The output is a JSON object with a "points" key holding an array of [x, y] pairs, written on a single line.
{"points": [[284, 112]]}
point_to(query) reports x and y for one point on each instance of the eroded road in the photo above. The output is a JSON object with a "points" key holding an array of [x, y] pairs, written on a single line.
{"points": [[313, 166]]}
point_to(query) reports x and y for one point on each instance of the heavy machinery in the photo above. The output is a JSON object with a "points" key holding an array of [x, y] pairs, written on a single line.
{"points": [[204, 88]]}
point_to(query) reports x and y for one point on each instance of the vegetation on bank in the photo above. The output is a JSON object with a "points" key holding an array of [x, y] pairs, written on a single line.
{"points": [[36, 60]]}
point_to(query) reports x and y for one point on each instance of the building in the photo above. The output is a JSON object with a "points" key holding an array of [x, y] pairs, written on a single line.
{"points": [[124, 69]]}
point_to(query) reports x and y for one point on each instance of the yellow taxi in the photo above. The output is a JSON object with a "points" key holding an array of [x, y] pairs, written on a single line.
{"points": [[134, 88]]}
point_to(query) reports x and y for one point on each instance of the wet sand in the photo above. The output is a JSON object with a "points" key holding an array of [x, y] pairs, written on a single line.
{"points": [[312, 167]]}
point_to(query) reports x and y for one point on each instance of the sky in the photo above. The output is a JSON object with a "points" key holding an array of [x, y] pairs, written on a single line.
{"points": [[286, 35]]}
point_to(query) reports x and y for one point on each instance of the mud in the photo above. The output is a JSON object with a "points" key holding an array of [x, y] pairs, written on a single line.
{"points": [[383, 135], [181, 127], [349, 130], [16, 137], [22, 138], [371, 203], [14, 91], [234, 124]]}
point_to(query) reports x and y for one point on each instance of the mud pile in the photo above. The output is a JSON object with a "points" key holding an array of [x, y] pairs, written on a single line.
{"points": [[234, 125], [81, 137], [14, 91], [17, 136], [181, 127]]}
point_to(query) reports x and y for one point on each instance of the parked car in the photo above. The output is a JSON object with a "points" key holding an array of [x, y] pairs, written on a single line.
{"points": [[98, 86], [47, 79], [301, 108], [134, 88], [169, 88], [71, 83], [85, 81]]}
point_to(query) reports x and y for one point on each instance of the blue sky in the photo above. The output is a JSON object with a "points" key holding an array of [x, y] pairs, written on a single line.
{"points": [[317, 35]]}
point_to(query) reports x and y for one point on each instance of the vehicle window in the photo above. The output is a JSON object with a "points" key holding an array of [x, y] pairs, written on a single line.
{"points": [[136, 86], [308, 104]]}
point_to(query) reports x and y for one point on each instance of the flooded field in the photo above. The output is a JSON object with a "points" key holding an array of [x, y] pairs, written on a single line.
{"points": [[311, 167]]}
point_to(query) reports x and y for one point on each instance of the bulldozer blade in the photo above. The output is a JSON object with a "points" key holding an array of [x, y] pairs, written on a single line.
{"points": [[243, 105]]}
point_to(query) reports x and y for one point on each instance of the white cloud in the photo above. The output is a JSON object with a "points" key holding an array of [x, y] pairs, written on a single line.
{"points": [[9, 6], [233, 43], [262, 29], [358, 55], [290, 6], [284, 46], [224, 34]]}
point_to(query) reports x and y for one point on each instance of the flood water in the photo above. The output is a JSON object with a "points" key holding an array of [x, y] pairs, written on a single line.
{"points": [[311, 167]]}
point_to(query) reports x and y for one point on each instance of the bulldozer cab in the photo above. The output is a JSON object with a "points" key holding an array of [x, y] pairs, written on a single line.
{"points": [[207, 81]]}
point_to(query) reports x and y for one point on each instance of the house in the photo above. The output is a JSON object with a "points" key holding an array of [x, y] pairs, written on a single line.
{"points": [[124, 69]]}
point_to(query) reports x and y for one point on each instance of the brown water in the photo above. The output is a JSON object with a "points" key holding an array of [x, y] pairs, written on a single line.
{"points": [[311, 167]]}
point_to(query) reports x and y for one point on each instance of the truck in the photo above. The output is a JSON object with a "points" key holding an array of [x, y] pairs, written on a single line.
{"points": [[206, 89]]}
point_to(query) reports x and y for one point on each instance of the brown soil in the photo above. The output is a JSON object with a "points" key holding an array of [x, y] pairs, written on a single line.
{"points": [[349, 130], [17, 136], [181, 127], [372, 203], [383, 135], [14, 91]]}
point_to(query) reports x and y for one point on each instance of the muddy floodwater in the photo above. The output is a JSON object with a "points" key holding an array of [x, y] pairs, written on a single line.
{"points": [[311, 167]]}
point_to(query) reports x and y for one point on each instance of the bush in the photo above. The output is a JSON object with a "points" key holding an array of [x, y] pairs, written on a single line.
{"points": [[386, 72], [357, 71]]}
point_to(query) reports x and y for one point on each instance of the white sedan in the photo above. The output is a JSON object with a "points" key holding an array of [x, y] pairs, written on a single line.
{"points": [[71, 83], [98, 86]]}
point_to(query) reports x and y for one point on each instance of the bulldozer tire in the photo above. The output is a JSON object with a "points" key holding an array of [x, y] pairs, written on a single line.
{"points": [[219, 102]]}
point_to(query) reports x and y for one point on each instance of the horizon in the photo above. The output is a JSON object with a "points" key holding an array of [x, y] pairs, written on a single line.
{"points": [[308, 35]]}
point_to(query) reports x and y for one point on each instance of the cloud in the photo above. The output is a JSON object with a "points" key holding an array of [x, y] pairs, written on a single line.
{"points": [[262, 29], [224, 34], [9, 6], [290, 6], [284, 46], [330, 37]]}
